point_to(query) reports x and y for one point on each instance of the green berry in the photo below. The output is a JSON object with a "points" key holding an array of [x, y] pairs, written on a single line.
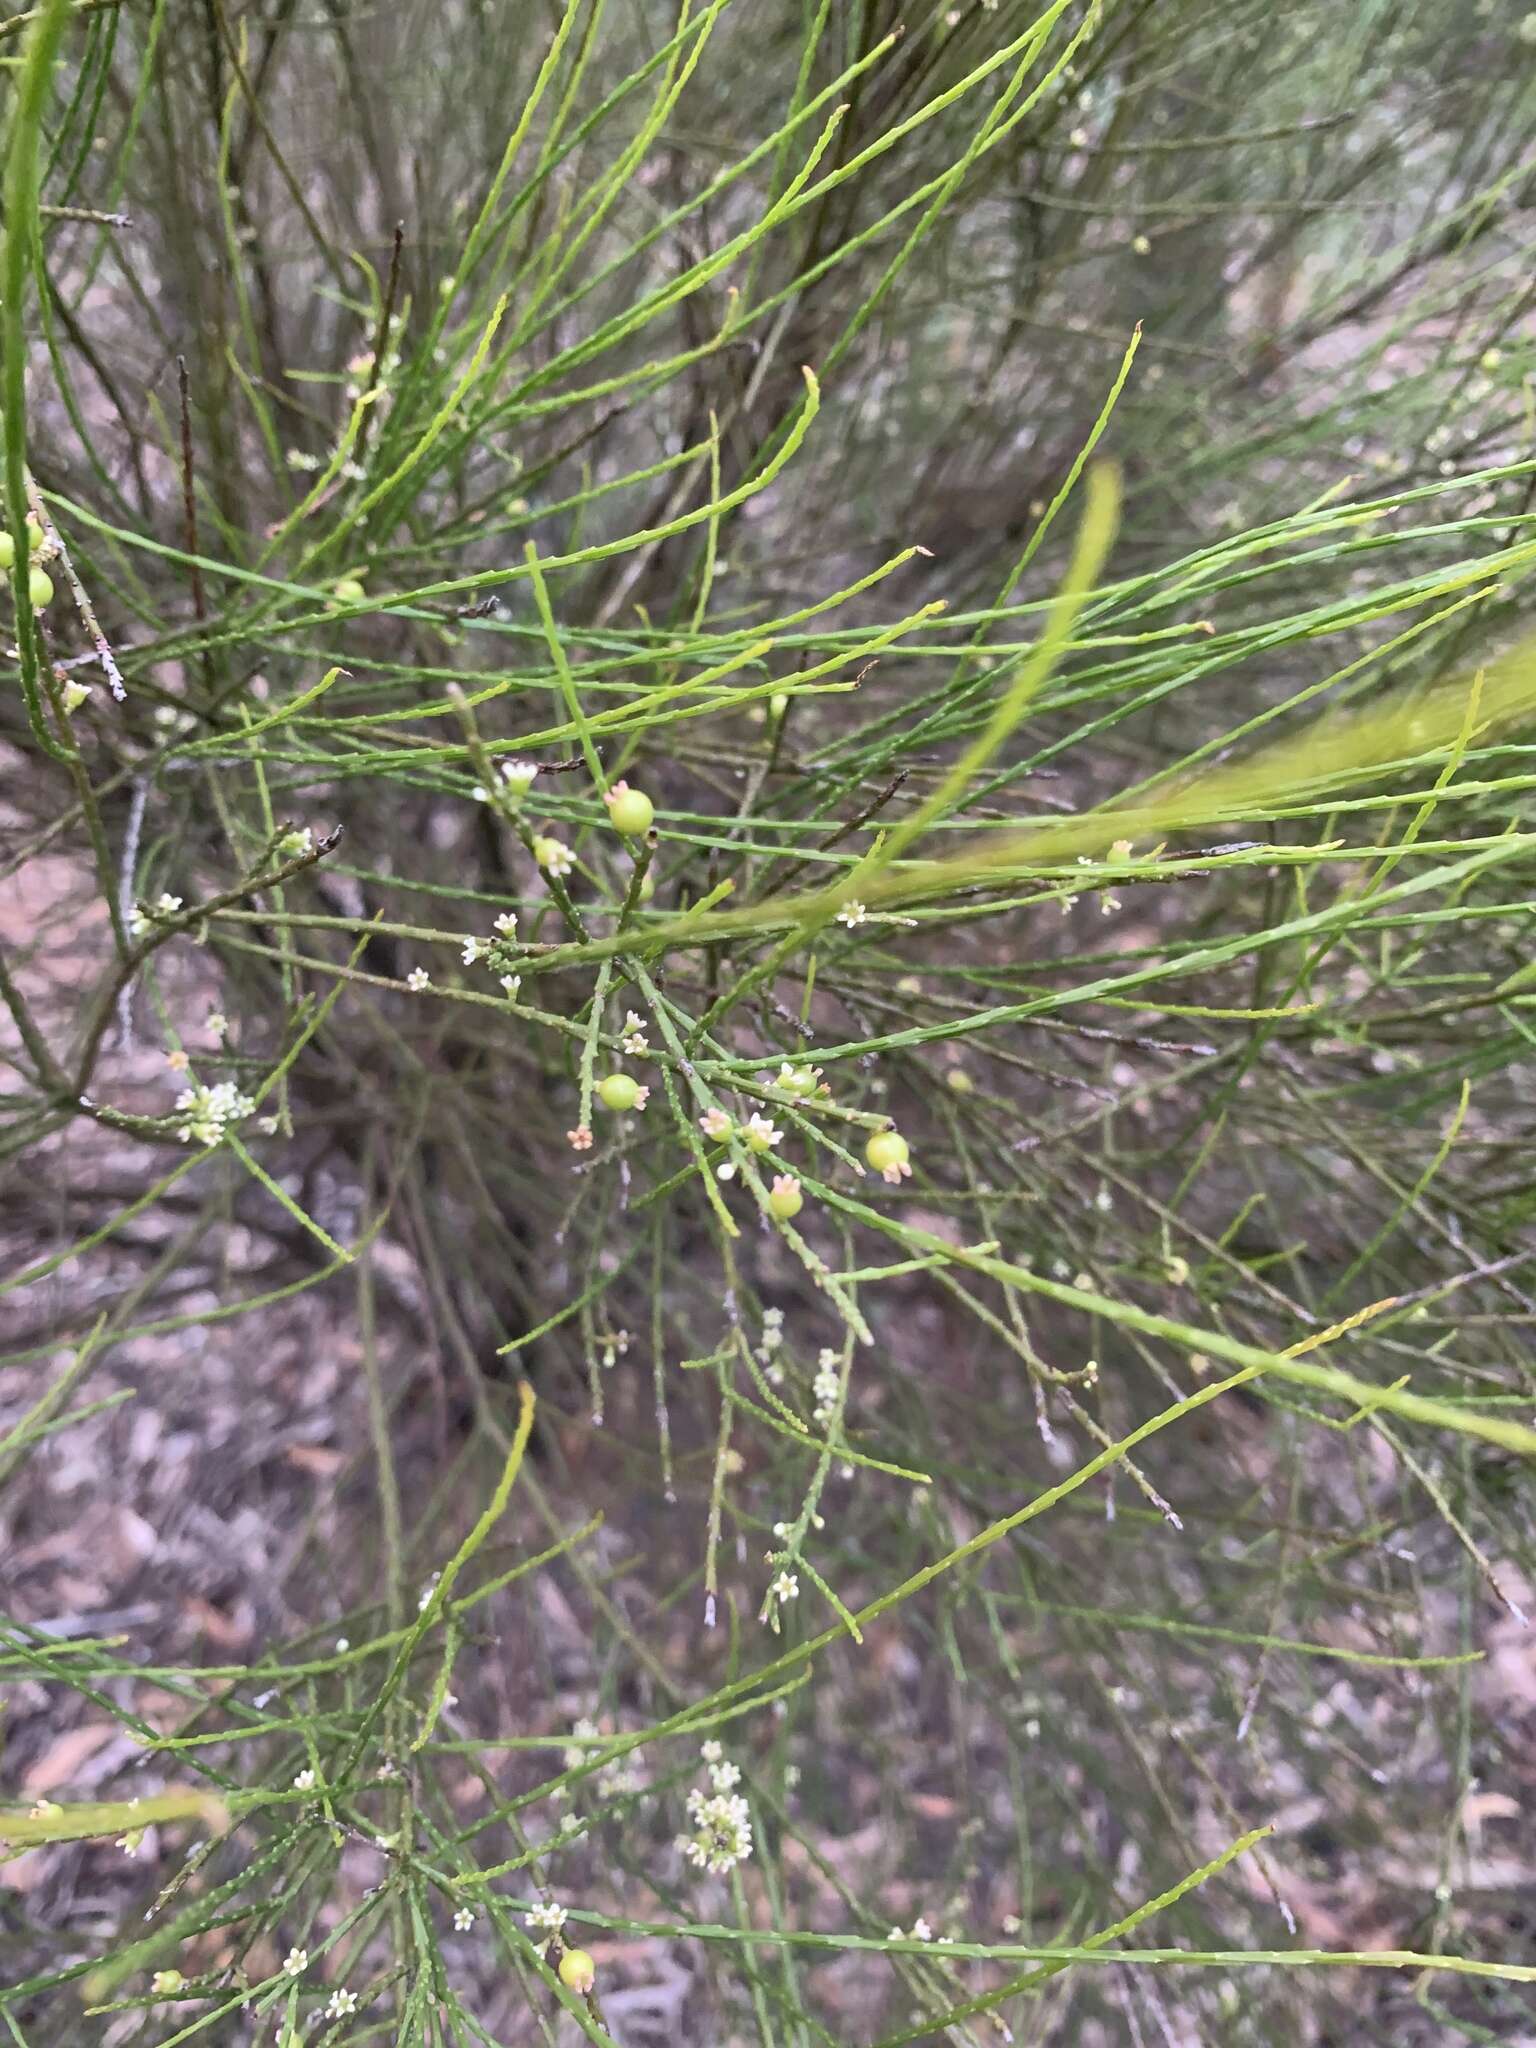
{"points": [[40, 588], [350, 590], [784, 1198], [887, 1152], [8, 545], [578, 1970], [619, 1091], [631, 810]]}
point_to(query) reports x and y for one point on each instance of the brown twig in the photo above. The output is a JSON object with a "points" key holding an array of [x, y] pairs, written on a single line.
{"points": [[57, 549], [381, 340], [841, 832], [188, 489]]}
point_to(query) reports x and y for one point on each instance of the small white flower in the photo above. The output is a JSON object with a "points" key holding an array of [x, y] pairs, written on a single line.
{"points": [[296, 844], [553, 856], [74, 695], [725, 1777], [506, 923], [296, 1962], [518, 775], [339, 2004], [852, 913], [635, 1041], [714, 1123], [921, 1931], [761, 1133], [473, 949], [216, 1023], [464, 1919], [786, 1587], [801, 1081], [510, 984], [304, 1782], [711, 1751], [417, 980], [547, 1920]]}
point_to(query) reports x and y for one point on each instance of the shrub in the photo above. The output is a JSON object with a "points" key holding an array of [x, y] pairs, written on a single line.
{"points": [[767, 966]]}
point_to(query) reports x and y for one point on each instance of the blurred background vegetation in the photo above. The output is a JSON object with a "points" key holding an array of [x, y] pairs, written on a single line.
{"points": [[405, 391]]}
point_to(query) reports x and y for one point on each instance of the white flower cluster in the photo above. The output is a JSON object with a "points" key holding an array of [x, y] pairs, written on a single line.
{"points": [[721, 1819], [143, 917], [546, 1921], [918, 1931], [208, 1114], [826, 1386], [614, 1779]]}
